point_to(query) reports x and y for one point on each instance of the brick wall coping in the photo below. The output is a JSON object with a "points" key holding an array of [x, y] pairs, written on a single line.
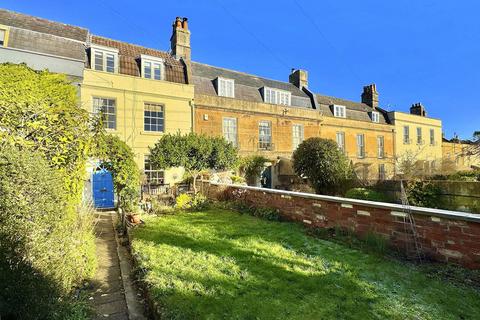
{"points": [[453, 215]]}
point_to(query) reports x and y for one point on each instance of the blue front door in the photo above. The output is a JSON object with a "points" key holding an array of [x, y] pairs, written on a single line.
{"points": [[102, 186]]}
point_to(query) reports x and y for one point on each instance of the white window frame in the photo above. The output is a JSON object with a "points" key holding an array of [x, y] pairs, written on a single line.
{"points": [[156, 118], [432, 137], [376, 116], [157, 175], [6, 31], [340, 137], [406, 135], [265, 144], [419, 135], [230, 133], [339, 111], [360, 145], [381, 147], [277, 96], [297, 135], [144, 59], [226, 87], [94, 49], [97, 109]]}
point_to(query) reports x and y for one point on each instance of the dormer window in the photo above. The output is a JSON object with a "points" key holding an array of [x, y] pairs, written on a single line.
{"points": [[152, 67], [226, 87], [375, 116], [339, 111], [104, 58], [3, 36], [276, 96]]}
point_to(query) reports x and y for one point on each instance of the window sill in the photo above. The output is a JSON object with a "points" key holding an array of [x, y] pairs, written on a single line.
{"points": [[152, 133]]}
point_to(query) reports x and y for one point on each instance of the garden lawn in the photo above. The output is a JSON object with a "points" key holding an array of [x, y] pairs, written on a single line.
{"points": [[219, 264]]}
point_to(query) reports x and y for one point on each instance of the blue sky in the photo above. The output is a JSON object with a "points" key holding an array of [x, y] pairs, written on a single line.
{"points": [[415, 51]]}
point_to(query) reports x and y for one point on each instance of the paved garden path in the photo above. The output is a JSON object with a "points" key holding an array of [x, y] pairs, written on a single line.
{"points": [[113, 296]]}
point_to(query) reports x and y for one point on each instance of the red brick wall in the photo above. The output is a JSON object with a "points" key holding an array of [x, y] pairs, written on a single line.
{"points": [[444, 236]]}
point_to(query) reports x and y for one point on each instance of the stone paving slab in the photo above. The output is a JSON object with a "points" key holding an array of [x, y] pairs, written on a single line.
{"points": [[108, 297], [113, 296]]}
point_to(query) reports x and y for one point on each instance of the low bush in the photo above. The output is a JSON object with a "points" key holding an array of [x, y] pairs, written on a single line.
{"points": [[187, 202], [237, 179], [423, 193], [245, 208], [366, 194], [183, 201], [46, 243], [199, 202], [252, 167], [473, 176]]}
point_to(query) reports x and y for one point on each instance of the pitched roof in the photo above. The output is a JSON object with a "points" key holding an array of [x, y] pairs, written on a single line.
{"points": [[355, 110], [129, 59], [247, 87], [23, 21]]}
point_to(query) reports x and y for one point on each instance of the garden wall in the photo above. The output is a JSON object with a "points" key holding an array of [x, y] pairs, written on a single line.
{"points": [[454, 195], [445, 236]]}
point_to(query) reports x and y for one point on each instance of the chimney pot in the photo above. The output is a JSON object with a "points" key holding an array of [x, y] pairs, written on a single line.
{"points": [[178, 22], [185, 23]]}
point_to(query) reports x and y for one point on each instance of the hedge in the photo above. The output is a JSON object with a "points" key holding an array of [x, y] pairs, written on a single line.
{"points": [[46, 245]]}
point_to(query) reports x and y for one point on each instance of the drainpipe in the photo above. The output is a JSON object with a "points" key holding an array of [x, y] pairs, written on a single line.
{"points": [[192, 105]]}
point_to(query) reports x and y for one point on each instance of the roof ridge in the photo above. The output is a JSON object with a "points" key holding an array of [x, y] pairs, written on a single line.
{"points": [[348, 100], [132, 44], [241, 72], [44, 19]]}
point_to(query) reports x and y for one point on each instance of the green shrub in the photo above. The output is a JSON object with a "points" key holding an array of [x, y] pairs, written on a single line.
{"points": [[473, 175], [183, 202], [252, 167], [46, 244], [366, 194], [320, 161], [423, 193], [200, 202], [119, 159], [266, 213], [245, 208], [237, 179], [40, 110]]}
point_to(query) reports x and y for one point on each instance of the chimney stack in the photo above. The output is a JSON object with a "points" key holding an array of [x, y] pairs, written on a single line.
{"points": [[370, 95], [299, 78], [418, 109], [180, 40]]}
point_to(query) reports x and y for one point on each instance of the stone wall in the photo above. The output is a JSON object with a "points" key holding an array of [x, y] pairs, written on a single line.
{"points": [[454, 195], [444, 236]]}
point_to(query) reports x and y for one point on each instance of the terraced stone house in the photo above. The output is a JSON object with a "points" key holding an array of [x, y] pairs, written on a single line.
{"points": [[143, 93]]}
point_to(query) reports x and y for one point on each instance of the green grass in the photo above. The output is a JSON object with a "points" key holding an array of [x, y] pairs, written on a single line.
{"points": [[219, 264]]}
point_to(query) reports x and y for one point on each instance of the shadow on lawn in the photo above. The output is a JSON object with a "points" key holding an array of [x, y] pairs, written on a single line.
{"points": [[299, 278], [275, 287]]}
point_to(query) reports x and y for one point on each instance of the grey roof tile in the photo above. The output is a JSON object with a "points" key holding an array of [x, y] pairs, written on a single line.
{"points": [[247, 87], [23, 21]]}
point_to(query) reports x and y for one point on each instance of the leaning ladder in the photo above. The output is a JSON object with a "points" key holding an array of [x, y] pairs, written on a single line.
{"points": [[409, 222]]}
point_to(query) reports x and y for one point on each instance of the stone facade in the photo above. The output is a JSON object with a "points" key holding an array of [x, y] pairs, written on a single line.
{"points": [[444, 236], [458, 155], [210, 112]]}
